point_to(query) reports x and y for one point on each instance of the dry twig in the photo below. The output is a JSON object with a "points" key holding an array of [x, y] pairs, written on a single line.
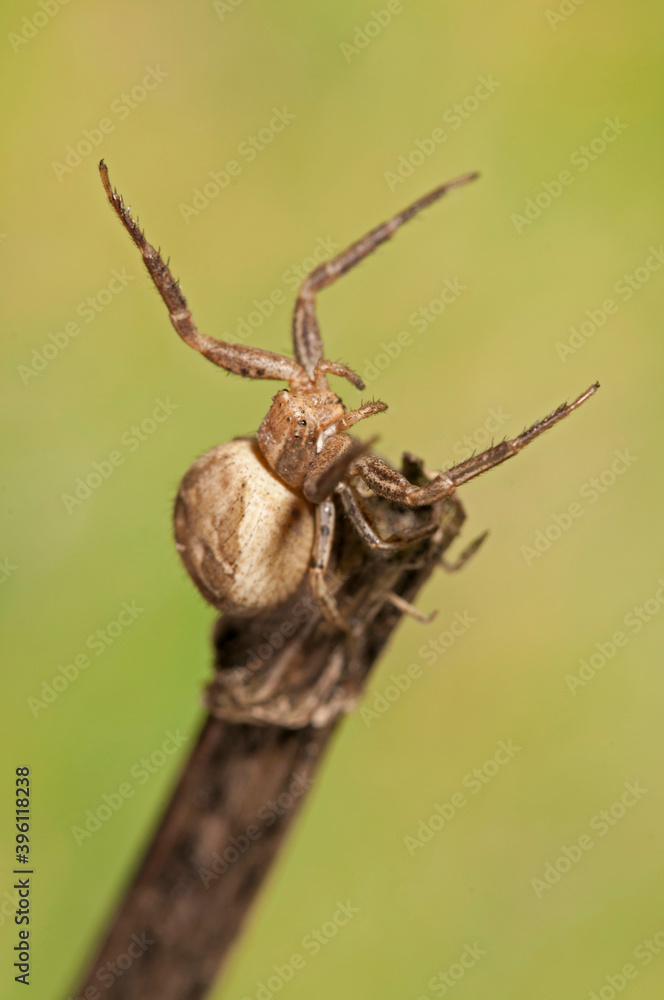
{"points": [[271, 718]]}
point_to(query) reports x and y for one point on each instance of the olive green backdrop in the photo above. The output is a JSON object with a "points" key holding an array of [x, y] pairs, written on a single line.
{"points": [[561, 111]]}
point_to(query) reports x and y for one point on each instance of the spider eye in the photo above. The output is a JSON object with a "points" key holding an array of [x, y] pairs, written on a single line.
{"points": [[302, 423]]}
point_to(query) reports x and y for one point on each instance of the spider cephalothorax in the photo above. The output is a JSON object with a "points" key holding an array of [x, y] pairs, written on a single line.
{"points": [[253, 514]]}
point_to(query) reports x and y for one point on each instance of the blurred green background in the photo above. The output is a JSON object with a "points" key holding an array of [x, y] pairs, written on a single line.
{"points": [[362, 94]]}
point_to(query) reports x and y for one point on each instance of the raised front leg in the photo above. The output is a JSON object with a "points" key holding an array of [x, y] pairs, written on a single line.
{"points": [[238, 358], [306, 334], [388, 483]]}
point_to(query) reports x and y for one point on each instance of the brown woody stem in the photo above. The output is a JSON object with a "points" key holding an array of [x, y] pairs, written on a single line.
{"points": [[270, 722]]}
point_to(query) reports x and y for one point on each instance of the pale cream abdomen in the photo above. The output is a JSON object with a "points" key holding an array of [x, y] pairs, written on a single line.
{"points": [[244, 537]]}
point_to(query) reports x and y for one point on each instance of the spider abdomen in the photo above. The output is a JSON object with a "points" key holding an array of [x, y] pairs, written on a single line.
{"points": [[244, 537]]}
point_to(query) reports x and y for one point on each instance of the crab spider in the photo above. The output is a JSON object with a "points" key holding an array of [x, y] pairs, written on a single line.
{"points": [[252, 515]]}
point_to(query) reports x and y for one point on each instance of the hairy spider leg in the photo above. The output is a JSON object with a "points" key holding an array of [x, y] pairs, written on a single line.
{"points": [[335, 368], [348, 420], [407, 608], [361, 519], [307, 341], [241, 359], [324, 533], [388, 483], [353, 417], [468, 553]]}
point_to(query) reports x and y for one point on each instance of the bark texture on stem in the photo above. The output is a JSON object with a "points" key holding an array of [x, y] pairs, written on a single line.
{"points": [[282, 681]]}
